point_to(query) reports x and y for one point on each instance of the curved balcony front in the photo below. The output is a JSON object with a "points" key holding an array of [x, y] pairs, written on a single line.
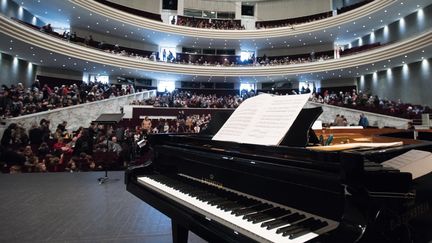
{"points": [[419, 43], [319, 25]]}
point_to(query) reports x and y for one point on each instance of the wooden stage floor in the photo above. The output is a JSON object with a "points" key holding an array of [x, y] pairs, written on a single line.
{"points": [[73, 207]]}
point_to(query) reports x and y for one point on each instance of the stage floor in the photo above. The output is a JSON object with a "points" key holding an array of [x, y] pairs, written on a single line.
{"points": [[73, 207]]}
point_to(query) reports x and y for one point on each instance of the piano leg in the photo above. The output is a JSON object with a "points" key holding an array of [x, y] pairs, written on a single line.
{"points": [[179, 233]]}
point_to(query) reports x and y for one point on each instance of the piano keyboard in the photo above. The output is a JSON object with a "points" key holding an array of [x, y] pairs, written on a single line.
{"points": [[259, 219]]}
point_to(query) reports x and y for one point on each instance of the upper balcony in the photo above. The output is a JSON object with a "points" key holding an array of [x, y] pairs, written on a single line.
{"points": [[44, 49], [340, 29]]}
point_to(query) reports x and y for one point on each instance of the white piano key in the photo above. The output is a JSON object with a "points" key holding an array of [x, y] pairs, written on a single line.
{"points": [[237, 223]]}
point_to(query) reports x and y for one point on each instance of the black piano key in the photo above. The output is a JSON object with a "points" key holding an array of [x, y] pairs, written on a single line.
{"points": [[283, 221], [304, 227], [298, 234], [257, 214], [229, 206], [238, 204], [197, 193], [296, 231], [218, 201], [208, 197], [252, 216], [253, 209], [288, 229], [243, 207], [270, 214], [232, 207]]}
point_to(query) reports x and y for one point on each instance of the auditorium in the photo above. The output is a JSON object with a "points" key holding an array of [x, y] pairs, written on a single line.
{"points": [[216, 121]]}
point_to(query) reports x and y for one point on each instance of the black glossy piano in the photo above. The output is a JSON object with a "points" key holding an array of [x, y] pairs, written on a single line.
{"points": [[231, 192]]}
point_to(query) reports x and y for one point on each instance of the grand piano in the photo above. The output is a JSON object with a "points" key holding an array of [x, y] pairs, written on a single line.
{"points": [[231, 192]]}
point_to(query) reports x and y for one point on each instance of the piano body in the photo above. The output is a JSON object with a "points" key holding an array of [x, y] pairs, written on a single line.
{"points": [[230, 192]]}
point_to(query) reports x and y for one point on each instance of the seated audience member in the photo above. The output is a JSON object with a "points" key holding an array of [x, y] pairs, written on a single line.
{"points": [[84, 143], [43, 150], [62, 127], [7, 138], [11, 161], [71, 165], [146, 124], [114, 146], [410, 126], [338, 121], [61, 147], [363, 121]]}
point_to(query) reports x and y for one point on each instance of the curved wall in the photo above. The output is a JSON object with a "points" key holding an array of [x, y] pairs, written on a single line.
{"points": [[411, 83], [282, 9], [400, 29], [153, 6], [14, 70]]}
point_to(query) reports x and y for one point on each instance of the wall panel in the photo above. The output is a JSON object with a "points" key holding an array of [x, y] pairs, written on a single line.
{"points": [[14, 70], [411, 83], [153, 6], [285, 9]]}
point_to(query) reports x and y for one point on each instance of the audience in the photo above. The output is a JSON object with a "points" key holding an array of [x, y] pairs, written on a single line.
{"points": [[354, 99], [184, 58], [187, 99], [77, 151], [43, 150], [372, 103], [17, 100], [204, 60], [221, 24]]}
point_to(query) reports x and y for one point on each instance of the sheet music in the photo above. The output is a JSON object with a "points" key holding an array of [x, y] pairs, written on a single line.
{"points": [[416, 162], [263, 119]]}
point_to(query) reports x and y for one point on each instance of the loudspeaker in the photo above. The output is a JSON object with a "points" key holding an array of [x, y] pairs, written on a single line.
{"points": [[247, 10], [169, 4]]}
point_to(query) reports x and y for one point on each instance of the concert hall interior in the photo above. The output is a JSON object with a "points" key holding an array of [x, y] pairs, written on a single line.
{"points": [[216, 121]]}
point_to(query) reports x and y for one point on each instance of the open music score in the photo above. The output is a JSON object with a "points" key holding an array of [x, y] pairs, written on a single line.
{"points": [[262, 120]]}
